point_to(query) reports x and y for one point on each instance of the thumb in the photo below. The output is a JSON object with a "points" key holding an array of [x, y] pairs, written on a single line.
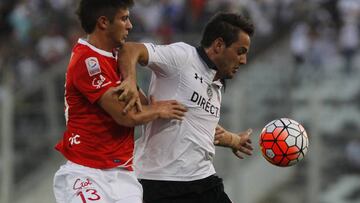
{"points": [[249, 131], [118, 88], [138, 105], [152, 99]]}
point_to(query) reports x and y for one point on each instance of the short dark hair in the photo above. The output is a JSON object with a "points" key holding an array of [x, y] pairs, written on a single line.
{"points": [[90, 10], [226, 26]]}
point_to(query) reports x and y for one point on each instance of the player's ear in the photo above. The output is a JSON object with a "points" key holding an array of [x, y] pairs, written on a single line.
{"points": [[103, 22], [218, 45]]}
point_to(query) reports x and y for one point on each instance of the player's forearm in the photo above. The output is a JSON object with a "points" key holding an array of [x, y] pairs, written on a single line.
{"points": [[229, 140], [226, 138], [109, 102], [136, 118], [127, 59], [148, 114]]}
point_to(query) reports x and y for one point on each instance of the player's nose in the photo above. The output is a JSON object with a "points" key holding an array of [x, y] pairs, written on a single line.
{"points": [[129, 25], [242, 60]]}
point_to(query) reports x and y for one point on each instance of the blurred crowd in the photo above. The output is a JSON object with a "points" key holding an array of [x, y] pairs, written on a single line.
{"points": [[328, 29], [328, 36], [35, 34]]}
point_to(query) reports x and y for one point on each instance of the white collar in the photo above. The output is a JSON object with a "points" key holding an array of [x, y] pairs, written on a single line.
{"points": [[218, 83], [97, 50]]}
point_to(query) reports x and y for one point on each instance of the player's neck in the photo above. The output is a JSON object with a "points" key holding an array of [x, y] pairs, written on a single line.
{"points": [[216, 77], [100, 42], [212, 56]]}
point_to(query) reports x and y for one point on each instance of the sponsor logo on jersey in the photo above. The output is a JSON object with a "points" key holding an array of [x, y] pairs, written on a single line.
{"points": [[198, 77], [205, 104], [99, 82], [74, 139], [93, 66]]}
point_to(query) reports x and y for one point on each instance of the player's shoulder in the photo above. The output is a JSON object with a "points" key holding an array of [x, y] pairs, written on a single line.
{"points": [[177, 46], [181, 49], [84, 59], [182, 46], [177, 53], [81, 54], [83, 51]]}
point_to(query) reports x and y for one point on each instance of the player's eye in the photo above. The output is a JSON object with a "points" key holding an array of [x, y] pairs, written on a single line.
{"points": [[125, 18], [242, 51]]}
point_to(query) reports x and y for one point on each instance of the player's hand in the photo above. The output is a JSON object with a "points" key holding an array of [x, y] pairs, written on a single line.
{"points": [[129, 94], [239, 143], [169, 109], [220, 137], [244, 146]]}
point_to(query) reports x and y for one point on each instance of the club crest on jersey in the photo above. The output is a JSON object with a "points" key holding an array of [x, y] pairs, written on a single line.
{"points": [[93, 66], [209, 92]]}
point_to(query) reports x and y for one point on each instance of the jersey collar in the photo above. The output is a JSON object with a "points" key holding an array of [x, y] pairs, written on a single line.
{"points": [[97, 50], [205, 58], [201, 51]]}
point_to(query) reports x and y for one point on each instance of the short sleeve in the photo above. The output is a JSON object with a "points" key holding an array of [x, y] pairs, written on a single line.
{"points": [[166, 60], [92, 77]]}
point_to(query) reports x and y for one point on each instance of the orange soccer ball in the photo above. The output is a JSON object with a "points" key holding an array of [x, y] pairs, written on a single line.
{"points": [[284, 142]]}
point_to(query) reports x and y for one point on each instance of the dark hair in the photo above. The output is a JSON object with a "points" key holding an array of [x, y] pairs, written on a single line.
{"points": [[90, 10], [226, 26]]}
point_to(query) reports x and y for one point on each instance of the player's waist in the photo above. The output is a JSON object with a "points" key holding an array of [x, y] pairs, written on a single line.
{"points": [[179, 169], [164, 175], [96, 156]]}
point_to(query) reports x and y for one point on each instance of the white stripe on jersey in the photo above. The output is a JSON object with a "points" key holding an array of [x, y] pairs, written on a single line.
{"points": [[66, 105]]}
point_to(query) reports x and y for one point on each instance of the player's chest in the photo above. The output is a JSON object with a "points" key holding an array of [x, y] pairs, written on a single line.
{"points": [[201, 93]]}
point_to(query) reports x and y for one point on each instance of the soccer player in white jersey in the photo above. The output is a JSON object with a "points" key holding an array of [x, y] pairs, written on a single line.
{"points": [[99, 139], [173, 158]]}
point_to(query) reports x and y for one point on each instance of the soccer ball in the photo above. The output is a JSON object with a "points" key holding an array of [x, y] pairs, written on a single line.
{"points": [[284, 142]]}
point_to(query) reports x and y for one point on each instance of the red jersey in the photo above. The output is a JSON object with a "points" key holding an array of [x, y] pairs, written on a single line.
{"points": [[92, 137]]}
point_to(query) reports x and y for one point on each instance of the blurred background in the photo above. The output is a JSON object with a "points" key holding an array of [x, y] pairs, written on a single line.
{"points": [[304, 64]]}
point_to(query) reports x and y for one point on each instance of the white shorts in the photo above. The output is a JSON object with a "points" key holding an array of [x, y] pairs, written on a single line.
{"points": [[74, 183]]}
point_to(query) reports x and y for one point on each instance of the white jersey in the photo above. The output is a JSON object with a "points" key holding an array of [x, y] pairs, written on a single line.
{"points": [[172, 149]]}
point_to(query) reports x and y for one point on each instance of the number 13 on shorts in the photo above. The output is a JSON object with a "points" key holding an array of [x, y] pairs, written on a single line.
{"points": [[88, 195]]}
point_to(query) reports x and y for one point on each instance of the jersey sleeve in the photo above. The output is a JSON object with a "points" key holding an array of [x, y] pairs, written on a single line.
{"points": [[166, 60], [92, 78]]}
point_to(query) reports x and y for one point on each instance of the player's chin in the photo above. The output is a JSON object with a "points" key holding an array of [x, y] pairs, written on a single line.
{"points": [[122, 41], [231, 75]]}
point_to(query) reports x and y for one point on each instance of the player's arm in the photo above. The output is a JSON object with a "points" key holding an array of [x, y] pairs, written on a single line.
{"points": [[239, 143], [128, 56], [156, 109]]}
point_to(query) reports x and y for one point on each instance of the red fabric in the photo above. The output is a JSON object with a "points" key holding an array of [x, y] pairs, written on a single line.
{"points": [[92, 137], [197, 8]]}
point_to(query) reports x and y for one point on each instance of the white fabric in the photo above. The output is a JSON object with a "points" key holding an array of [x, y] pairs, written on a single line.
{"points": [[180, 150], [97, 50], [74, 183]]}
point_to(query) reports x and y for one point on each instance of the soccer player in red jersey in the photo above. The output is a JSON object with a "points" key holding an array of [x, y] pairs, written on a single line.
{"points": [[99, 139]]}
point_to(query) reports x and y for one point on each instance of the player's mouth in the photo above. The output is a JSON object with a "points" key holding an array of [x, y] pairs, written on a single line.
{"points": [[236, 69]]}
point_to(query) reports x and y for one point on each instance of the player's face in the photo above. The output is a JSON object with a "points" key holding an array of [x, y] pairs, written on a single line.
{"points": [[233, 56], [120, 27]]}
